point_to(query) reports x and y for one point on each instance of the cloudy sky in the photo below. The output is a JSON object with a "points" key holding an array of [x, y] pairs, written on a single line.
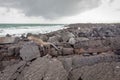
{"points": [[59, 11]]}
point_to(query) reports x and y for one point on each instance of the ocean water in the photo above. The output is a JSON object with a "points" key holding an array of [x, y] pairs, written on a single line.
{"points": [[19, 29]]}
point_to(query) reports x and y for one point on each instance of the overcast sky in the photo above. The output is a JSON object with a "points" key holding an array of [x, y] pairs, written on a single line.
{"points": [[59, 11]]}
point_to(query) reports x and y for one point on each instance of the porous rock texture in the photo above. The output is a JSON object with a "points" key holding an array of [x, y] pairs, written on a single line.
{"points": [[85, 52]]}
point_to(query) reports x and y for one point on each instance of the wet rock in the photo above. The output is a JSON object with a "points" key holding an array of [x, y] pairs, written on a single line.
{"points": [[29, 34], [29, 51], [8, 35]]}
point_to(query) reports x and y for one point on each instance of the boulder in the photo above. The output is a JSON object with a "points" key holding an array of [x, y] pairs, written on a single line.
{"points": [[72, 41], [101, 67], [54, 39], [9, 72], [9, 63], [66, 36], [56, 71], [100, 71], [68, 51], [29, 51], [67, 62], [82, 34], [53, 52], [8, 40], [13, 50], [82, 39], [43, 37], [45, 69]]}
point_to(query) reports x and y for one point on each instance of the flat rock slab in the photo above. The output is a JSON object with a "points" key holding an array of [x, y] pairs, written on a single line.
{"points": [[100, 67], [9, 71], [44, 69], [29, 51], [8, 40], [100, 71]]}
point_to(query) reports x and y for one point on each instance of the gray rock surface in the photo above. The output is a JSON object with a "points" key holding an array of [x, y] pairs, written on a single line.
{"points": [[100, 60], [81, 39], [45, 69], [13, 50], [72, 41], [100, 71], [66, 36], [54, 39], [101, 67], [10, 71], [44, 37], [8, 40], [67, 51], [29, 51]]}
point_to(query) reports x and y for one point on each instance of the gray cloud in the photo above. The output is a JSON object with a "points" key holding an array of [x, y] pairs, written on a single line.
{"points": [[51, 8], [111, 1]]}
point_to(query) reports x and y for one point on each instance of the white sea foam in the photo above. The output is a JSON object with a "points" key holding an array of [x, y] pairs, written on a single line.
{"points": [[17, 31]]}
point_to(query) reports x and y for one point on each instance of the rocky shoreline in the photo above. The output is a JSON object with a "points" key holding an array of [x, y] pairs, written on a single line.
{"points": [[86, 52]]}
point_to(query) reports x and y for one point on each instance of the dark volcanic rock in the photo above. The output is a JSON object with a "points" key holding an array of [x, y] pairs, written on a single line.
{"points": [[55, 39], [72, 41], [101, 67], [45, 69], [100, 71], [7, 40], [53, 52], [66, 36], [43, 37], [13, 50], [86, 52], [9, 72], [67, 51], [67, 63], [29, 51]]}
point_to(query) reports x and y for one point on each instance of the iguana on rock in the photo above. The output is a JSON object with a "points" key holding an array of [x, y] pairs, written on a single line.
{"points": [[41, 42]]}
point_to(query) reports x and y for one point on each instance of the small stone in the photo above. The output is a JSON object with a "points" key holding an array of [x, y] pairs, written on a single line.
{"points": [[72, 41]]}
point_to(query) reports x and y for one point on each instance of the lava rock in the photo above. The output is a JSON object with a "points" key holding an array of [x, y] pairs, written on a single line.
{"points": [[29, 51], [43, 37], [9, 72], [13, 50], [8, 40], [72, 41], [45, 69], [66, 36], [68, 51], [55, 39]]}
